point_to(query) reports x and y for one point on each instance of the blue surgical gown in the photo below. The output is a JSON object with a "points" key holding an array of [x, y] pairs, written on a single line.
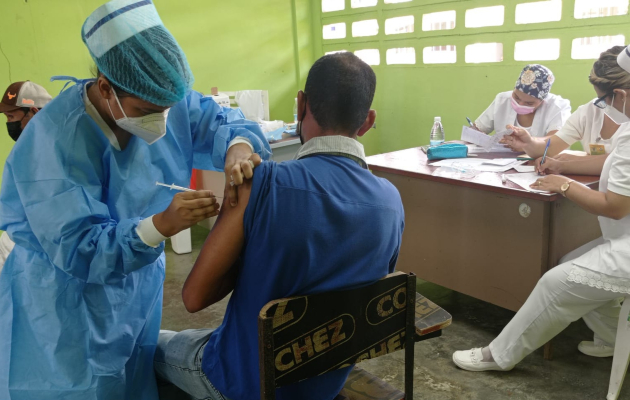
{"points": [[81, 294]]}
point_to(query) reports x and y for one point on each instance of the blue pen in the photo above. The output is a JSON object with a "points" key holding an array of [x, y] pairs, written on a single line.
{"points": [[545, 155], [469, 122]]}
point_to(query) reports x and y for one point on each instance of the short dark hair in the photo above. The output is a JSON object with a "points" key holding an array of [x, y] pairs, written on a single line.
{"points": [[339, 91]]}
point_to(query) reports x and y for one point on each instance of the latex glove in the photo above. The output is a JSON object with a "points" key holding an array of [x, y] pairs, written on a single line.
{"points": [[186, 209], [239, 165]]}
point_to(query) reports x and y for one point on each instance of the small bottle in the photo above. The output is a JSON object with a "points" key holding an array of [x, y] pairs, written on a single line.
{"points": [[295, 111], [437, 132]]}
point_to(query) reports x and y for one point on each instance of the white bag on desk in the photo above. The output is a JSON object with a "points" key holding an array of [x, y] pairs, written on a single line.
{"points": [[251, 103]]}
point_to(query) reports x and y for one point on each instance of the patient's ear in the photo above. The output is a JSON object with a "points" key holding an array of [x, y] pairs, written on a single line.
{"points": [[368, 124]]}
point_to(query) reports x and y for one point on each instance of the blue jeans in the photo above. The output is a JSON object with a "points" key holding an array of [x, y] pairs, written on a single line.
{"points": [[178, 361]]}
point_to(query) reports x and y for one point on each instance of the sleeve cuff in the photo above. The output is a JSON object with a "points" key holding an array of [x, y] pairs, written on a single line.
{"points": [[622, 190], [565, 138], [149, 234], [239, 140], [482, 127], [554, 128]]}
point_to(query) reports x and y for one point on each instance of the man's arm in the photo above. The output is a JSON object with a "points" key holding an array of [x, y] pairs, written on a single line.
{"points": [[214, 274]]}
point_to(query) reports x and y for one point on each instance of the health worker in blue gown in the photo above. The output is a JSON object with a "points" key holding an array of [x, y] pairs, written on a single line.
{"points": [[81, 293]]}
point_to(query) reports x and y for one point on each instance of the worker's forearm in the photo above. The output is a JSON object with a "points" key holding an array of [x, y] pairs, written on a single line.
{"points": [[590, 200], [536, 148], [589, 165]]}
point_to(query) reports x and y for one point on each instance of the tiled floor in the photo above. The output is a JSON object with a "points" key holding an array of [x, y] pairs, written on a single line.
{"points": [[570, 376]]}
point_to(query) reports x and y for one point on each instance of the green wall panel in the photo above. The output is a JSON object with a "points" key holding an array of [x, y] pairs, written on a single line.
{"points": [[409, 96], [234, 45]]}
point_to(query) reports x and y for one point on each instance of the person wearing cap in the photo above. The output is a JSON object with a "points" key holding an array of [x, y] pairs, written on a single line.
{"points": [[81, 293], [593, 124], [589, 281], [21, 101], [530, 105]]}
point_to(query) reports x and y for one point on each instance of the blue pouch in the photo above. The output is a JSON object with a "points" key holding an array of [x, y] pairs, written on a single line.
{"points": [[448, 150]]}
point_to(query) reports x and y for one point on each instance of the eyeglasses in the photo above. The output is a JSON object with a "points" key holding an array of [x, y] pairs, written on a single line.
{"points": [[601, 102]]}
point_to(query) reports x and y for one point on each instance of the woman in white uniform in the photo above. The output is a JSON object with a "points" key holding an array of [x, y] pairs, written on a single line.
{"points": [[590, 285], [589, 124], [530, 105]]}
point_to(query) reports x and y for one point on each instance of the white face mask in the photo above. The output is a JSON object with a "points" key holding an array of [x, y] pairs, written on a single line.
{"points": [[615, 115], [149, 128]]}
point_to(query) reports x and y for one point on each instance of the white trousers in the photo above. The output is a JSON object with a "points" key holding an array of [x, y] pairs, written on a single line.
{"points": [[554, 303]]}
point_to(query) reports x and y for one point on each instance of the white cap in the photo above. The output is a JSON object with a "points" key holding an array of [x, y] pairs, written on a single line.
{"points": [[437, 119], [623, 59], [24, 94]]}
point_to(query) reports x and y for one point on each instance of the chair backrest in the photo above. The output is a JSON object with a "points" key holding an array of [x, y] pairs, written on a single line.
{"points": [[302, 337]]}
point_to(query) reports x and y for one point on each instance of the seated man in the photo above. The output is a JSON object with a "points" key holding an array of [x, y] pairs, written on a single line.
{"points": [[20, 103], [319, 223]]}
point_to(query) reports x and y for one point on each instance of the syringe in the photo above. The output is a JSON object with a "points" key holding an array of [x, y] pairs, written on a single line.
{"points": [[175, 187]]}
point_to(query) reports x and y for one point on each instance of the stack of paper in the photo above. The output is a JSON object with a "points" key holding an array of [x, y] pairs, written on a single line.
{"points": [[525, 168], [479, 164], [485, 142], [525, 180], [499, 148]]}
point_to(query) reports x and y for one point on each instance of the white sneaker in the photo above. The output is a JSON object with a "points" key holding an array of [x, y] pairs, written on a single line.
{"points": [[471, 360], [596, 350]]}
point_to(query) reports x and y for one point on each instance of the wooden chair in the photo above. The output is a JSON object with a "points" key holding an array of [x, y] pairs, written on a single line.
{"points": [[306, 336]]}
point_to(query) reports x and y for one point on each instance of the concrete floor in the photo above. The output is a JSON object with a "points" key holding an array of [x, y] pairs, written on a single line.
{"points": [[569, 376]]}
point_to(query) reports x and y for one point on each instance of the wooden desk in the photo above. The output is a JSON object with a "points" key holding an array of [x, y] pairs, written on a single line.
{"points": [[468, 234]]}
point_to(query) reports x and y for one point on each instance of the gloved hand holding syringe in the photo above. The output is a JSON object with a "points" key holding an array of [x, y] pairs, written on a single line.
{"points": [[187, 209]]}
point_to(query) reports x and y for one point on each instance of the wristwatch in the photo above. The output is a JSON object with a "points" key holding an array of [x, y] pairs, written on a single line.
{"points": [[565, 187]]}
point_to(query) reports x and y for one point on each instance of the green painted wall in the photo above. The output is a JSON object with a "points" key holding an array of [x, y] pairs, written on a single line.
{"points": [[234, 45], [408, 97], [271, 44]]}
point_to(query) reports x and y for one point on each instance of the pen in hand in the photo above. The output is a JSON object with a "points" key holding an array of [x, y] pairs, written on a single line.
{"points": [[545, 154]]}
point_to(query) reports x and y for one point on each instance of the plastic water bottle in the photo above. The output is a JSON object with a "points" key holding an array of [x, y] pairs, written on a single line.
{"points": [[437, 132], [295, 111]]}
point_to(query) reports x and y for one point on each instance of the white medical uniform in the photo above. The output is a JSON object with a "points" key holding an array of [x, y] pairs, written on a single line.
{"points": [[588, 285], [6, 245], [585, 125], [549, 117]]}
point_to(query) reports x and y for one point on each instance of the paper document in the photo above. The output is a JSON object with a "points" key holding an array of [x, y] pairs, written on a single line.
{"points": [[499, 135], [501, 161], [473, 136], [477, 164], [487, 142], [525, 180], [499, 148], [525, 168]]}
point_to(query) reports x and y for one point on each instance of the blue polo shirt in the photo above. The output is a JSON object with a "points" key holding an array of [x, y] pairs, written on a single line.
{"points": [[313, 225]]}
